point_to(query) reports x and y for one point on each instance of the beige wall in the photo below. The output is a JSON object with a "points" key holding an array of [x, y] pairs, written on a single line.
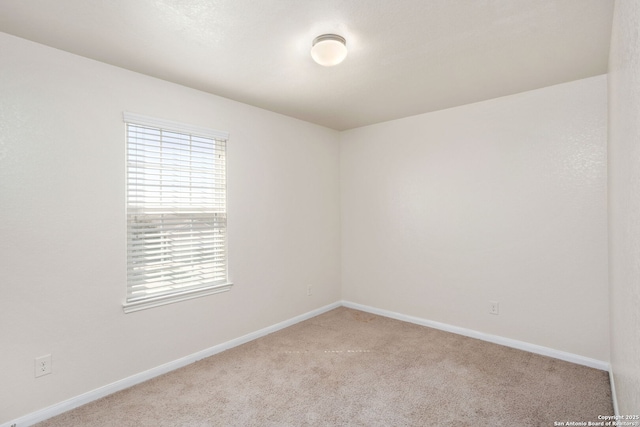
{"points": [[501, 200], [624, 203], [62, 225]]}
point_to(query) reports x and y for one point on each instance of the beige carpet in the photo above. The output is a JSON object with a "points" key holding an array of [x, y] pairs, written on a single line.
{"points": [[349, 368]]}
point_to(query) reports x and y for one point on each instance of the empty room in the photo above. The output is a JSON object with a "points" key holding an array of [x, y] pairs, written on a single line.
{"points": [[338, 213]]}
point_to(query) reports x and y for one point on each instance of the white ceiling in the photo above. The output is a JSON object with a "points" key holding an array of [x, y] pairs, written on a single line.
{"points": [[406, 57]]}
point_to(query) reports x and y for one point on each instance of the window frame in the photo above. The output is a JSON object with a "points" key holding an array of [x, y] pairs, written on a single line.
{"points": [[193, 292]]}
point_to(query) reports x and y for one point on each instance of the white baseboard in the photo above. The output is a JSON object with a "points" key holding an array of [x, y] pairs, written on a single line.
{"points": [[74, 402], [508, 342], [613, 392]]}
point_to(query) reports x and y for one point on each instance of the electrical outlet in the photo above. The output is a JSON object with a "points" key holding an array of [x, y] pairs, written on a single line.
{"points": [[43, 365], [494, 307], [309, 290]]}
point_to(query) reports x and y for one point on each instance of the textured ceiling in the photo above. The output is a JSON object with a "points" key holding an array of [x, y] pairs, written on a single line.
{"points": [[406, 57]]}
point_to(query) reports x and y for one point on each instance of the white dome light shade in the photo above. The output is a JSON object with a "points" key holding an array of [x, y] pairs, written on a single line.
{"points": [[329, 49]]}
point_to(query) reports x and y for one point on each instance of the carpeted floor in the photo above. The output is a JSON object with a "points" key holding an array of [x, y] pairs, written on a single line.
{"points": [[349, 368]]}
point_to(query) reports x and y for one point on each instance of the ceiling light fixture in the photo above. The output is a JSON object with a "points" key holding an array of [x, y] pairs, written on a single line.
{"points": [[329, 49]]}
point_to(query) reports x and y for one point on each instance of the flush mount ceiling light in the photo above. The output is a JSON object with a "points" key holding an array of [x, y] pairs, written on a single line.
{"points": [[329, 49]]}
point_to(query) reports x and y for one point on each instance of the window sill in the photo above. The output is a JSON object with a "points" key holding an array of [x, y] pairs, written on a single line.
{"points": [[170, 299]]}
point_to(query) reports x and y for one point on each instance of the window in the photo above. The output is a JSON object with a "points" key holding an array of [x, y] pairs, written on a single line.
{"points": [[176, 212]]}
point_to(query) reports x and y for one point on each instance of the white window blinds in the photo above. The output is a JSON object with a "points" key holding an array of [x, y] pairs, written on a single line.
{"points": [[176, 212]]}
